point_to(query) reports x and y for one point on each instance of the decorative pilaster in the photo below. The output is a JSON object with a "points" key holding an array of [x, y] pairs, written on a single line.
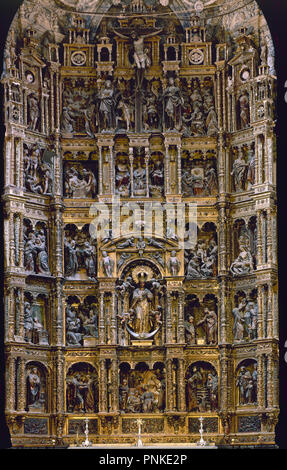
{"points": [[180, 329], [10, 384], [147, 159], [113, 318], [21, 385], [115, 385], [103, 387], [260, 311], [102, 320], [166, 170], [168, 334], [169, 385], [100, 170], [270, 385], [181, 386], [131, 158]]}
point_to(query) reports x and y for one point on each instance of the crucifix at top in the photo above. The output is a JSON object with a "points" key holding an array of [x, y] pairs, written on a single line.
{"points": [[140, 53]]}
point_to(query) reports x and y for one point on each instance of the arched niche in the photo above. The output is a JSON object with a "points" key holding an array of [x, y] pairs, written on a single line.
{"points": [[245, 316], [82, 389], [201, 387], [37, 390], [246, 383], [243, 242]]}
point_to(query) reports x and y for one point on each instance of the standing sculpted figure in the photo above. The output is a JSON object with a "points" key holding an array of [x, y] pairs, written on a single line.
{"points": [[33, 387], [34, 112], [174, 264], [108, 264], [107, 106], [141, 304], [239, 172], [190, 330], [210, 320], [173, 103]]}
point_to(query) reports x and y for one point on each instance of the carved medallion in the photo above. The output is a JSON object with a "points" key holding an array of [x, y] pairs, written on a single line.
{"points": [[196, 56], [79, 58]]}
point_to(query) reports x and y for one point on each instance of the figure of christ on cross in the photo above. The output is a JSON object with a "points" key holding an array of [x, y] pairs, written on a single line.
{"points": [[141, 57]]}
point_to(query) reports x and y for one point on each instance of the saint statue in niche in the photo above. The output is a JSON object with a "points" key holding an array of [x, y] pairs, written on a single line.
{"points": [[141, 304], [143, 318]]}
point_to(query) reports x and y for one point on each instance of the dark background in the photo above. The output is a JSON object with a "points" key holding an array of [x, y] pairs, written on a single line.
{"points": [[275, 12]]}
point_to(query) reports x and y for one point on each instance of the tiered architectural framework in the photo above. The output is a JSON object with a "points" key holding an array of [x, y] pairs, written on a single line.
{"points": [[124, 326]]}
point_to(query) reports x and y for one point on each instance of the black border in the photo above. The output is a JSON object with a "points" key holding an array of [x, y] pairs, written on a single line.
{"points": [[275, 12]]}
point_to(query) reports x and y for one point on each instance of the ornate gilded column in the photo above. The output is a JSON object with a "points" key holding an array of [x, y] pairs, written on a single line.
{"points": [[181, 386], [10, 384], [275, 380], [269, 236], [103, 387], [115, 385], [225, 382], [222, 240], [260, 311], [52, 101], [168, 338], [57, 101], [113, 318], [222, 313], [147, 159], [57, 240], [233, 104], [12, 239], [102, 320], [60, 380], [8, 161], [169, 385], [42, 113], [166, 170], [10, 312], [21, 386], [259, 239], [270, 384], [269, 311], [21, 317], [131, 159], [58, 313], [100, 170], [260, 381], [179, 189], [21, 243], [112, 169], [18, 159], [180, 330]]}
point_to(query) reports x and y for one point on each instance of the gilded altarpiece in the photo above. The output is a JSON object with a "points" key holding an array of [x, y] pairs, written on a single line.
{"points": [[111, 108]]}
